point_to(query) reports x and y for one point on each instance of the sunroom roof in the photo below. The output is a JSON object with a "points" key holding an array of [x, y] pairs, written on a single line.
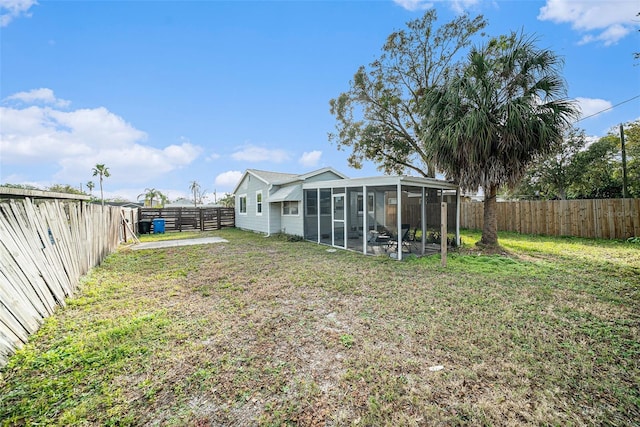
{"points": [[383, 181]]}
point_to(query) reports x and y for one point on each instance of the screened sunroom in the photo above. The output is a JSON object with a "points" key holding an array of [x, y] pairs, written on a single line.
{"points": [[393, 215]]}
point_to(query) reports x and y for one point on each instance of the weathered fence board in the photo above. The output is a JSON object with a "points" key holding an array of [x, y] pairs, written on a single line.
{"points": [[191, 219], [597, 218], [45, 247], [27, 259]]}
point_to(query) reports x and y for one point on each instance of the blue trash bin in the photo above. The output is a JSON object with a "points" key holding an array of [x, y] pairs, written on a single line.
{"points": [[158, 225]]}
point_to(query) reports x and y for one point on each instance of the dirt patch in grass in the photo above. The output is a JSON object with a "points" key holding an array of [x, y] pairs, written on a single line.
{"points": [[263, 331]]}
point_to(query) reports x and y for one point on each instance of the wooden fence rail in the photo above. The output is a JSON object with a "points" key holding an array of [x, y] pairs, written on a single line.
{"points": [[45, 247], [190, 219], [601, 218]]}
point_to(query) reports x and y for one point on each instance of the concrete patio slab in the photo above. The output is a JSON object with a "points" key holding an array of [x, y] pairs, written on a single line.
{"points": [[174, 243]]}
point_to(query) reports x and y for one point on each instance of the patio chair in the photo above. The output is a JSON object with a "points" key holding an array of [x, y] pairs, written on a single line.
{"points": [[379, 238], [407, 239]]}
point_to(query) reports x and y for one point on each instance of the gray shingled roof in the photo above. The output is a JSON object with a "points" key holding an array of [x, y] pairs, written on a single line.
{"points": [[273, 177]]}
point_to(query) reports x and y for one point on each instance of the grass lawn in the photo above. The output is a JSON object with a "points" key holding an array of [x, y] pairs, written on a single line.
{"points": [[261, 331]]}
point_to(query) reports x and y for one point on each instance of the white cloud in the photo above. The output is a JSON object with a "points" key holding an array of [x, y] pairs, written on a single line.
{"points": [[181, 155], [605, 21], [212, 156], [311, 158], [134, 163], [10, 9], [460, 6], [227, 180], [413, 5], [253, 153], [35, 96], [591, 106], [76, 140], [610, 36]]}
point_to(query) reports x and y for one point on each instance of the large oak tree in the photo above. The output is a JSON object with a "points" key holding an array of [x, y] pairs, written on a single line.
{"points": [[379, 117], [552, 176]]}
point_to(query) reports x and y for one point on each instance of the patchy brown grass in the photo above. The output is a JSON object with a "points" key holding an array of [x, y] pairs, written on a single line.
{"points": [[261, 331]]}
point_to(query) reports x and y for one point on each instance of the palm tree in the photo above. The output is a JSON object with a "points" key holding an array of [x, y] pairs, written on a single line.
{"points": [[91, 186], [163, 199], [149, 194], [195, 189], [228, 201], [487, 124], [102, 171]]}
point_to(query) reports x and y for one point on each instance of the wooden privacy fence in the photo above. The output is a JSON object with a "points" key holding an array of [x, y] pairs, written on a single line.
{"points": [[433, 211], [45, 247], [189, 219], [601, 218]]}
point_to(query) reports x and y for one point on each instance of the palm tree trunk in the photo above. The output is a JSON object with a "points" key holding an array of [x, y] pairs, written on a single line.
{"points": [[101, 195], [490, 226]]}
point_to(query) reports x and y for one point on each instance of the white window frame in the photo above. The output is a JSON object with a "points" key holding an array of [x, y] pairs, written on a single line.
{"points": [[359, 204], [291, 201], [259, 203], [240, 197]]}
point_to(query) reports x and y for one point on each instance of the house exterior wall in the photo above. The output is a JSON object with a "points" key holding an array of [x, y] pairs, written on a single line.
{"points": [[249, 186], [290, 224], [272, 219], [293, 224], [275, 211]]}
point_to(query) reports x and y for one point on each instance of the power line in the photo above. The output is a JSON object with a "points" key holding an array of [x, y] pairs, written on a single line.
{"points": [[609, 108]]}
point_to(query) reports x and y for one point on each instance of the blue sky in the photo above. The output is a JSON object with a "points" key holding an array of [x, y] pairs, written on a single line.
{"points": [[166, 92]]}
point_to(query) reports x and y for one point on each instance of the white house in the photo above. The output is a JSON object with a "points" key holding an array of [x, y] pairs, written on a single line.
{"points": [[271, 202], [326, 207]]}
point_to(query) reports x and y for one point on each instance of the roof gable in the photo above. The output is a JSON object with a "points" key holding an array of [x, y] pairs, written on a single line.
{"points": [[321, 171], [265, 176]]}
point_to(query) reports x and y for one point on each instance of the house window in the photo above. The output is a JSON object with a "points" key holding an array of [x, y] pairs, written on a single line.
{"points": [[242, 201], [259, 202], [311, 203], [290, 208]]}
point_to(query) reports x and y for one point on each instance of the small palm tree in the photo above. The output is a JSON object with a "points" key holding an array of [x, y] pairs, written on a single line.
{"points": [[91, 186], [103, 172], [228, 201], [195, 189], [149, 195], [163, 199]]}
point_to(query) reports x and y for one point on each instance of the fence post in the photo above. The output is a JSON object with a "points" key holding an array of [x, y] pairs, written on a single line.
{"points": [[443, 234], [218, 217], [201, 219], [124, 227]]}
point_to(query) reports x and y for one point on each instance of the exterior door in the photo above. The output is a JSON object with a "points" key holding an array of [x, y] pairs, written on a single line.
{"points": [[338, 220]]}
